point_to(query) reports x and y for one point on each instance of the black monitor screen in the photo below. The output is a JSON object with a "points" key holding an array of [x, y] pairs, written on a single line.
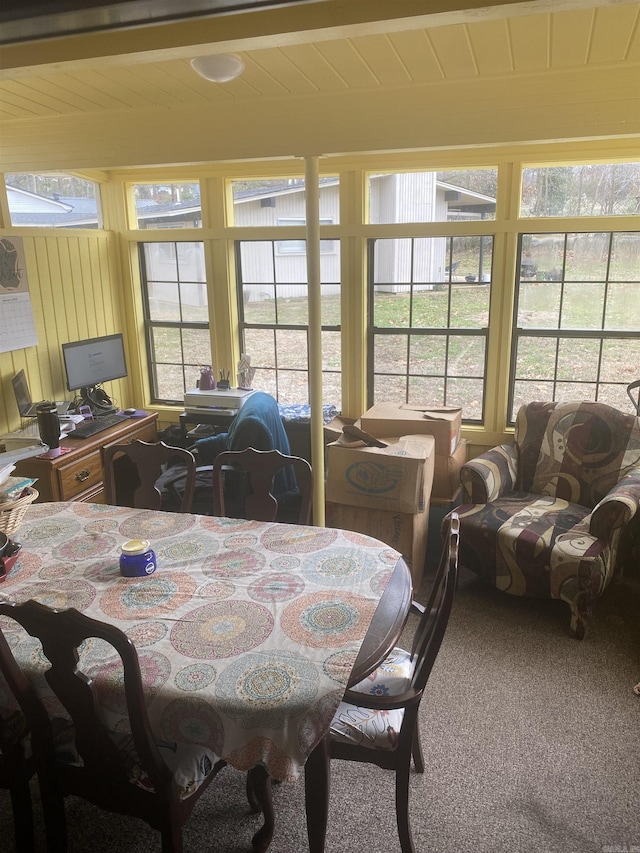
{"points": [[93, 361]]}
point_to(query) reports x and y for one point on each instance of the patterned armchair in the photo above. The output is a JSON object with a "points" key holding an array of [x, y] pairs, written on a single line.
{"points": [[546, 514]]}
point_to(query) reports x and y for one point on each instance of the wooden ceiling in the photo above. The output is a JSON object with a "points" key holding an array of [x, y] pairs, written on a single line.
{"points": [[482, 53]]}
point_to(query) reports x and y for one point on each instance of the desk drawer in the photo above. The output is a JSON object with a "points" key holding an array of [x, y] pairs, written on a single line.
{"points": [[79, 476]]}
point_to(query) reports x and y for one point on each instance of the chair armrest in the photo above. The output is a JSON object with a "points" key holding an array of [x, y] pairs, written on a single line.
{"points": [[616, 508], [490, 475]]}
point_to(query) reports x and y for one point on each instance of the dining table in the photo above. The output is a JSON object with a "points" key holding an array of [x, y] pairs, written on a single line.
{"points": [[248, 633]]}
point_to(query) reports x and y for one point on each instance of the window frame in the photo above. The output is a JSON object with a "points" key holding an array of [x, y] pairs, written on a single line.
{"points": [[150, 324], [243, 324], [374, 331], [559, 333]]}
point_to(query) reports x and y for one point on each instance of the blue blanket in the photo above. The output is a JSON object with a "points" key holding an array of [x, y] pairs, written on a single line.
{"points": [[258, 424]]}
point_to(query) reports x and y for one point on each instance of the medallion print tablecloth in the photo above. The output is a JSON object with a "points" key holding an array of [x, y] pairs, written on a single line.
{"points": [[246, 634]]}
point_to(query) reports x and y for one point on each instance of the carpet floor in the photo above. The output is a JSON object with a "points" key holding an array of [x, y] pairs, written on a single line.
{"points": [[531, 742]]}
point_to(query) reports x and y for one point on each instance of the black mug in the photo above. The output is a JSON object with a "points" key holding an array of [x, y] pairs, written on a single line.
{"points": [[49, 424]]}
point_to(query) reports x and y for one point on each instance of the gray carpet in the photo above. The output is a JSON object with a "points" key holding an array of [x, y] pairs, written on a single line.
{"points": [[531, 741]]}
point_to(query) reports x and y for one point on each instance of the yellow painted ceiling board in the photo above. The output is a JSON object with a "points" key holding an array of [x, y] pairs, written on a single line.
{"points": [[453, 52], [491, 47], [276, 65], [581, 104], [570, 38], [136, 90], [612, 32], [312, 63], [633, 53], [57, 97], [348, 63], [105, 83], [22, 95], [167, 89], [380, 57], [530, 43], [416, 53], [94, 98]]}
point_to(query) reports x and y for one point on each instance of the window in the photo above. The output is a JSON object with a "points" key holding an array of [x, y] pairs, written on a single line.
{"points": [[168, 205], [274, 319], [53, 201], [176, 316], [281, 202], [299, 247], [429, 318], [577, 317], [432, 196], [586, 190]]}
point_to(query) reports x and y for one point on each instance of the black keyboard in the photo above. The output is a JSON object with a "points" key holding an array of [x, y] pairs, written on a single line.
{"points": [[96, 425]]}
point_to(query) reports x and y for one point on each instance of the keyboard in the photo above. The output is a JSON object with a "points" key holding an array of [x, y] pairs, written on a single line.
{"points": [[97, 425]]}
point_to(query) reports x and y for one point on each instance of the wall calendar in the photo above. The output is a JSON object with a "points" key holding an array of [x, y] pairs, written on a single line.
{"points": [[17, 329]]}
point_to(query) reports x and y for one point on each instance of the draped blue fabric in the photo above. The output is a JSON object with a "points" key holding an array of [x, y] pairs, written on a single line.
{"points": [[258, 424]]}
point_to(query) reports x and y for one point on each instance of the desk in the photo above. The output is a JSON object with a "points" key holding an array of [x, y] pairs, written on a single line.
{"points": [[247, 634], [79, 474]]}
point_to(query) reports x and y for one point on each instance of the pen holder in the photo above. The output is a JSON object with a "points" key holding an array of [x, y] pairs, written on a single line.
{"points": [[223, 384]]}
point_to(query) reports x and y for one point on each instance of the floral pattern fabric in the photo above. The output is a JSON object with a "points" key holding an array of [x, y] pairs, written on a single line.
{"points": [[546, 515], [246, 634], [368, 726]]}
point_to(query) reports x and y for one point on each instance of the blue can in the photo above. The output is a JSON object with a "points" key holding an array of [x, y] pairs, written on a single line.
{"points": [[137, 559]]}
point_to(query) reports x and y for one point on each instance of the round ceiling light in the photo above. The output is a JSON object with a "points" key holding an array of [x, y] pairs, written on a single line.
{"points": [[219, 67]]}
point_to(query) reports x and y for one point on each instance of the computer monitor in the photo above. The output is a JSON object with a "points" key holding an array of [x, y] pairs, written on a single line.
{"points": [[91, 362]]}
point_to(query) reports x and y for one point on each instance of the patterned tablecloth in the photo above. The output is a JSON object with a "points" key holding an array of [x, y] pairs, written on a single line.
{"points": [[246, 633]]}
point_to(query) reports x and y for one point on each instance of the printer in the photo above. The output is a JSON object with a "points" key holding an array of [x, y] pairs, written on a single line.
{"points": [[228, 402]]}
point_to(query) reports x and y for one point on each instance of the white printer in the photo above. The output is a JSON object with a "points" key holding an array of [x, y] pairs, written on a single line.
{"points": [[229, 401]]}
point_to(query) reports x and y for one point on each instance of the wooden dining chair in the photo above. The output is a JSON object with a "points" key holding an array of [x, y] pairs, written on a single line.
{"points": [[17, 766], [131, 472], [377, 720], [246, 478], [131, 774]]}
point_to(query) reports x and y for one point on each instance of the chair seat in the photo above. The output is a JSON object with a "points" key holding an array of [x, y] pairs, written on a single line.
{"points": [[370, 727], [191, 764], [529, 544]]}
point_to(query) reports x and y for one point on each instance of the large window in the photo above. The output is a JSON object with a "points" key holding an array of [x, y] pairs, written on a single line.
{"points": [[429, 320], [176, 316], [577, 318], [53, 201], [274, 318]]}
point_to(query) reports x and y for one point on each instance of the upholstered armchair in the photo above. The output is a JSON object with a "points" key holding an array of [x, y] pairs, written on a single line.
{"points": [[545, 515]]}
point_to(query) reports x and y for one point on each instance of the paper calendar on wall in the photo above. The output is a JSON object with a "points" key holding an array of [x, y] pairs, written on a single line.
{"points": [[17, 328]]}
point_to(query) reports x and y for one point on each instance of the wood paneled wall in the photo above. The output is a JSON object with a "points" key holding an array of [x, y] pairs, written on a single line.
{"points": [[74, 295]]}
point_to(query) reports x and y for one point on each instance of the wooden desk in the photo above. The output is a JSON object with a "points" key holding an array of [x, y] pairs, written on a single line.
{"points": [[79, 474]]}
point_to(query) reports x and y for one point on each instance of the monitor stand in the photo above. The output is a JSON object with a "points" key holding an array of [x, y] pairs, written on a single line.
{"points": [[97, 400]]}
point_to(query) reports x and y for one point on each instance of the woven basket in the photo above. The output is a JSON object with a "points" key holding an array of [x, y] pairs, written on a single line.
{"points": [[12, 512]]}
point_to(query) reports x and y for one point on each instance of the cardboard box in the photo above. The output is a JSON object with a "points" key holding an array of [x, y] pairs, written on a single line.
{"points": [[406, 532], [446, 474], [396, 419], [333, 430], [396, 475]]}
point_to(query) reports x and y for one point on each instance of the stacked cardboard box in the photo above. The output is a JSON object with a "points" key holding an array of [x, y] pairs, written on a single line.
{"points": [[397, 419], [382, 488]]}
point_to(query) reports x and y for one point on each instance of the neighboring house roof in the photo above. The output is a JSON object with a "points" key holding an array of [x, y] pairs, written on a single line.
{"points": [[23, 201]]}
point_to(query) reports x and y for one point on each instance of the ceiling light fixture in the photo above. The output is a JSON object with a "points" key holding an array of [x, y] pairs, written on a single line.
{"points": [[219, 67]]}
